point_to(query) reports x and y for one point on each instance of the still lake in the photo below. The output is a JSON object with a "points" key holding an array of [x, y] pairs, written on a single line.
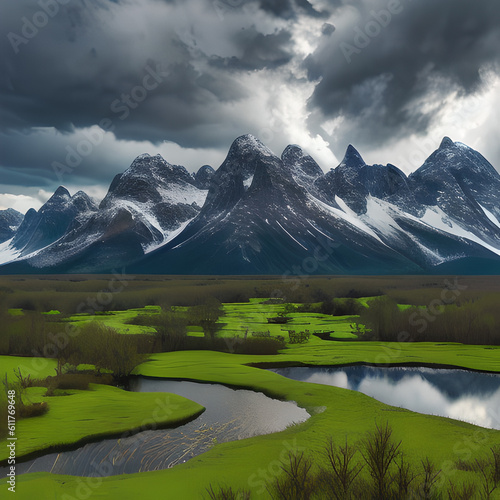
{"points": [[460, 394]]}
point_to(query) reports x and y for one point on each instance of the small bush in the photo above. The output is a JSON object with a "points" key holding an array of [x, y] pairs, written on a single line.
{"points": [[223, 493], [489, 470], [379, 452], [206, 315], [339, 478], [171, 331], [262, 334], [298, 337], [341, 307], [466, 491], [144, 320], [103, 347], [262, 345], [32, 410], [74, 381], [297, 481], [430, 476], [403, 478]]}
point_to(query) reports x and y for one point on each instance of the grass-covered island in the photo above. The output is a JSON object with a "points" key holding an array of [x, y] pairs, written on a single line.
{"points": [[70, 347]]}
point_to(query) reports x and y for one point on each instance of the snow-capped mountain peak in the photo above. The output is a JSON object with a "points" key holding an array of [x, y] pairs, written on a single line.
{"points": [[446, 143], [352, 158], [259, 213]]}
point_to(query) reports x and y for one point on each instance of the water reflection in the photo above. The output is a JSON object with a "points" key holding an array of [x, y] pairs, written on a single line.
{"points": [[230, 415], [460, 394]]}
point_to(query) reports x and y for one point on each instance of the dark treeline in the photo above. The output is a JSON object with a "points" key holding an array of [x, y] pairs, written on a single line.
{"points": [[36, 334], [468, 313], [72, 294], [468, 321]]}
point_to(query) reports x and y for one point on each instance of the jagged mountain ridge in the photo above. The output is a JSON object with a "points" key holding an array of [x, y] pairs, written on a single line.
{"points": [[272, 222], [144, 205], [10, 220], [263, 214], [41, 228]]}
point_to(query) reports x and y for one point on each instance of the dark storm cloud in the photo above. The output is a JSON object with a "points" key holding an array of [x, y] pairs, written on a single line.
{"points": [[144, 65], [200, 72], [147, 70], [28, 177], [377, 67], [289, 9], [258, 51]]}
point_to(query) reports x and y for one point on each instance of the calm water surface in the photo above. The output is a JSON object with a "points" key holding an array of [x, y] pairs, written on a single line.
{"points": [[460, 394], [230, 415]]}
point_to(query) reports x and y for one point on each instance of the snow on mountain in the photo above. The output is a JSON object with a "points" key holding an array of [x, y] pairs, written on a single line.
{"points": [[10, 220], [267, 228], [263, 214], [462, 183], [354, 181], [203, 177], [54, 218], [303, 167], [144, 206]]}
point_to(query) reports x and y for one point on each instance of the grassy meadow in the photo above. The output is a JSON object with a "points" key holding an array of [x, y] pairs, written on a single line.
{"points": [[104, 330]]}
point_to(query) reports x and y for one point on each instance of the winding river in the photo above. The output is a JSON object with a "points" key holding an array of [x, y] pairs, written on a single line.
{"points": [[238, 414], [230, 415]]}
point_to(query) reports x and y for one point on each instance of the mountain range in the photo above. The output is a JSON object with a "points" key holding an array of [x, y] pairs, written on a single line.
{"points": [[259, 213]]}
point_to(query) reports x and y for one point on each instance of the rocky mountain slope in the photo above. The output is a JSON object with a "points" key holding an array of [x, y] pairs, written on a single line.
{"points": [[259, 213]]}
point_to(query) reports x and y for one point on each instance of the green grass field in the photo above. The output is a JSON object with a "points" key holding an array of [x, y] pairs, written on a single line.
{"points": [[254, 314], [36, 367], [101, 411], [117, 319], [249, 463], [246, 463], [236, 319]]}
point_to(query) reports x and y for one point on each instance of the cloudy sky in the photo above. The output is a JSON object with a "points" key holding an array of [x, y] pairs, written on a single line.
{"points": [[87, 85]]}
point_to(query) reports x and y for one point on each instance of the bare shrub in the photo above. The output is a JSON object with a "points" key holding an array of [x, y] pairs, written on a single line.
{"points": [[259, 346], [106, 349], [489, 470], [171, 331], [31, 410], [466, 491], [297, 481], [337, 481], [227, 493], [426, 489], [403, 478], [379, 452]]}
